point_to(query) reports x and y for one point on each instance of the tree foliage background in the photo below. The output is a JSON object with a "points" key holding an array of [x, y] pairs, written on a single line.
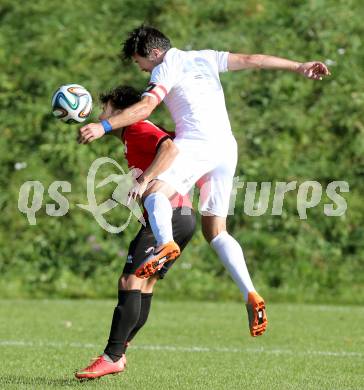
{"points": [[288, 128]]}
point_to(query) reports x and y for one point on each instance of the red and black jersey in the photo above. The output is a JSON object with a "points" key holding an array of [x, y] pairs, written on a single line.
{"points": [[141, 141]]}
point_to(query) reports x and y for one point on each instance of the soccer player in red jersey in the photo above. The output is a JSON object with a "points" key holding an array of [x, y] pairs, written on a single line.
{"points": [[147, 147]]}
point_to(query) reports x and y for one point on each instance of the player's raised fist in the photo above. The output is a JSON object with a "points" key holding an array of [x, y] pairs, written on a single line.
{"points": [[314, 70], [90, 132]]}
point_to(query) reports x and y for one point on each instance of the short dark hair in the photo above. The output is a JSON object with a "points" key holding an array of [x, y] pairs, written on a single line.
{"points": [[142, 40], [121, 97]]}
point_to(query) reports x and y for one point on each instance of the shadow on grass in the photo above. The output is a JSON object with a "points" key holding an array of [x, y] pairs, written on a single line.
{"points": [[41, 381]]}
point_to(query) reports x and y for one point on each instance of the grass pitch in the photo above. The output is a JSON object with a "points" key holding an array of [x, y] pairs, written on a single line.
{"points": [[185, 345]]}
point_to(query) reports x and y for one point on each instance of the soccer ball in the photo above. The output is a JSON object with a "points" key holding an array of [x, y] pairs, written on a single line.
{"points": [[71, 103]]}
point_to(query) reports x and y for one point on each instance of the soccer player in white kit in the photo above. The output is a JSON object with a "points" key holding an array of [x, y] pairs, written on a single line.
{"points": [[189, 84]]}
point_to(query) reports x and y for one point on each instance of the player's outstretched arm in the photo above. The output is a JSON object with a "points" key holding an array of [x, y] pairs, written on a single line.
{"points": [[130, 115], [313, 70]]}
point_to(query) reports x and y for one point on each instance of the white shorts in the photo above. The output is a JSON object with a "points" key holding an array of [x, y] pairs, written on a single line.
{"points": [[212, 167]]}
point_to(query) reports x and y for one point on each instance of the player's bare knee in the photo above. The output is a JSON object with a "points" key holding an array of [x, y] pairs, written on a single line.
{"points": [[212, 226], [123, 282], [130, 282], [210, 234], [159, 186], [149, 284], [152, 187]]}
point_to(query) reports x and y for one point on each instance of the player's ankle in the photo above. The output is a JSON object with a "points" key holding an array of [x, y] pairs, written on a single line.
{"points": [[159, 246], [248, 294], [107, 358]]}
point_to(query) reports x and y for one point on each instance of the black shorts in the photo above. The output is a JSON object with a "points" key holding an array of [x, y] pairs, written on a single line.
{"points": [[183, 224]]}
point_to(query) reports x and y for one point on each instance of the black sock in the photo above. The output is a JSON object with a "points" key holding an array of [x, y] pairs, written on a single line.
{"points": [[126, 315], [146, 299]]}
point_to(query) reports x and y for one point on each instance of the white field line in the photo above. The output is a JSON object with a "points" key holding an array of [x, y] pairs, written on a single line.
{"points": [[171, 348]]}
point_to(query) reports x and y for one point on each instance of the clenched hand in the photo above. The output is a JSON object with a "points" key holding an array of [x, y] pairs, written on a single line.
{"points": [[313, 70], [90, 132]]}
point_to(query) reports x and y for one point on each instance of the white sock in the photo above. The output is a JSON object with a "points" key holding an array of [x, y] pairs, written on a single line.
{"points": [[107, 358], [159, 211], [231, 254]]}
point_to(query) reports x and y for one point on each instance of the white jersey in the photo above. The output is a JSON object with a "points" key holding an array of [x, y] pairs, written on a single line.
{"points": [[188, 82]]}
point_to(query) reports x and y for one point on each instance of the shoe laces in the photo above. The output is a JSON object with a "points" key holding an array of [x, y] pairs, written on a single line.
{"points": [[95, 362]]}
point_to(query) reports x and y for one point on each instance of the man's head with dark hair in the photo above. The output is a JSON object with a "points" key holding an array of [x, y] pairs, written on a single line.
{"points": [[118, 99], [147, 46], [143, 40]]}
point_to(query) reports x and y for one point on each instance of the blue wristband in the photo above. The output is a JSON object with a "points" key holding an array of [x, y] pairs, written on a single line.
{"points": [[106, 125]]}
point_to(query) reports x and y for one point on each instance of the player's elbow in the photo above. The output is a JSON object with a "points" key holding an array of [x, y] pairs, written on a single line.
{"points": [[244, 61], [143, 112], [236, 61], [146, 107], [169, 147]]}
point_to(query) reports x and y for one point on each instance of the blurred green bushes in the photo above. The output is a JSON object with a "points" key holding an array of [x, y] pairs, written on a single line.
{"points": [[288, 128]]}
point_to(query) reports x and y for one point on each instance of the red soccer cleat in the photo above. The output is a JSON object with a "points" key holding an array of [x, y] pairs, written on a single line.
{"points": [[100, 367], [155, 261], [256, 314], [123, 359]]}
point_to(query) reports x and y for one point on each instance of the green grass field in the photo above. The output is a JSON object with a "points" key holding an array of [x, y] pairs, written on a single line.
{"points": [[185, 345]]}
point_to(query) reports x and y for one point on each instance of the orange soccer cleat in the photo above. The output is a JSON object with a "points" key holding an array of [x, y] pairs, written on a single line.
{"points": [[100, 367], [155, 261], [256, 314]]}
